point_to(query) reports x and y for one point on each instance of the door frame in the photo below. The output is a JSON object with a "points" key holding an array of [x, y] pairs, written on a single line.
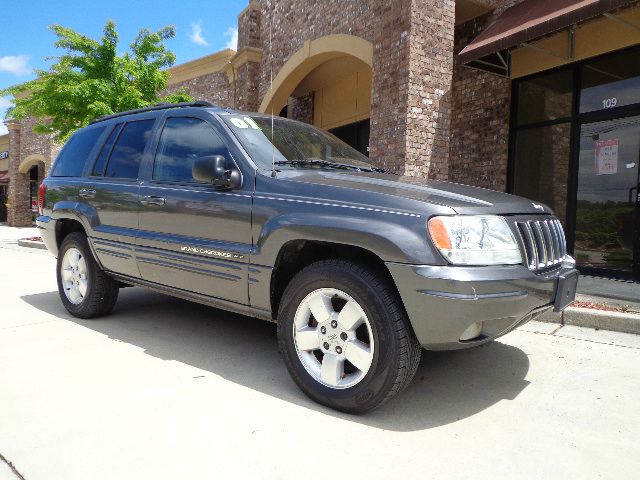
{"points": [[595, 117]]}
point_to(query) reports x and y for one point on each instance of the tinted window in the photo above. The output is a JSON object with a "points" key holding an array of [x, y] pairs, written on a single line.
{"points": [[98, 168], [542, 165], [73, 156], [547, 97], [127, 152], [182, 141], [611, 81]]}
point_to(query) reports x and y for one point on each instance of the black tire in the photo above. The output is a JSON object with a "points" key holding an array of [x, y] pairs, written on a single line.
{"points": [[397, 352], [102, 290]]}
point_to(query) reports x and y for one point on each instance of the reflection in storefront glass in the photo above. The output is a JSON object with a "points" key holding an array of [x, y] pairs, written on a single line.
{"points": [[607, 194], [542, 166], [610, 82]]}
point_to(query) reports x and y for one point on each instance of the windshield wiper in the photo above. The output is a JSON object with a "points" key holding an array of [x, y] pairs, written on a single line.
{"points": [[326, 163], [383, 170], [317, 163]]}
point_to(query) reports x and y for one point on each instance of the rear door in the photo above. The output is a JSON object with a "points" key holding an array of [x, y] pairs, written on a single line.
{"points": [[192, 235], [109, 195]]}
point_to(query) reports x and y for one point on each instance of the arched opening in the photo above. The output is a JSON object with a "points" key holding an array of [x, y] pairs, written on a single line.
{"points": [[327, 83], [32, 168]]}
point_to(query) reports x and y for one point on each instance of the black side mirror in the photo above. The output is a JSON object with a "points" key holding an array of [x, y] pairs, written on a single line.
{"points": [[213, 169]]}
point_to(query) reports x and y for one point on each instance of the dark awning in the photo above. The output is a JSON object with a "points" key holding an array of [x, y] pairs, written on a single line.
{"points": [[4, 176], [532, 19]]}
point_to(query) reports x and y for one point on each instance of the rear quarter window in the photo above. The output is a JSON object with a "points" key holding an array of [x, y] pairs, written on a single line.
{"points": [[74, 155]]}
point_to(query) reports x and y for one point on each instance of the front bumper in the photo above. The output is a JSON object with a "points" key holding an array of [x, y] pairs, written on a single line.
{"points": [[444, 301]]}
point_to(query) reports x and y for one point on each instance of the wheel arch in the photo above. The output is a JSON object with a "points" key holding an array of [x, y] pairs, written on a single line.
{"points": [[297, 254], [65, 226]]}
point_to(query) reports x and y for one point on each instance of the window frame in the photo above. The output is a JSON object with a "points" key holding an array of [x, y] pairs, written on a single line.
{"points": [[156, 150], [575, 120], [103, 143], [143, 155], [91, 156], [235, 154]]}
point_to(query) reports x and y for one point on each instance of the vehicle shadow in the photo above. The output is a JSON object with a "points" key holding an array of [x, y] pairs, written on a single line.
{"points": [[449, 386]]}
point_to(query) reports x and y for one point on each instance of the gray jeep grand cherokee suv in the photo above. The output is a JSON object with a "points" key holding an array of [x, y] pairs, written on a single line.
{"points": [[273, 218]]}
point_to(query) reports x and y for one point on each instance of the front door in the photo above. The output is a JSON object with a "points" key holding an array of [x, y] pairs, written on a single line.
{"points": [[607, 210], [193, 236]]}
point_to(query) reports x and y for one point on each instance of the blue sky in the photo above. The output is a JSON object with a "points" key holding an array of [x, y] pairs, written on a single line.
{"points": [[202, 27]]}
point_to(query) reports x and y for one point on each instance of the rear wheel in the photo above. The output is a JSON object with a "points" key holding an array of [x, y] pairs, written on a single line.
{"points": [[345, 337], [85, 290]]}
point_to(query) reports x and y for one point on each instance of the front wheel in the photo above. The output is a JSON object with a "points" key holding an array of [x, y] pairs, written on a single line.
{"points": [[345, 337], [85, 290]]}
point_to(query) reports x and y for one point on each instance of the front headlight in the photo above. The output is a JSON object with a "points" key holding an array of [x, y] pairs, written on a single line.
{"points": [[475, 240]]}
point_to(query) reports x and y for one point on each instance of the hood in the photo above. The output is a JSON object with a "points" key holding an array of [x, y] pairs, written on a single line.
{"points": [[464, 199]]}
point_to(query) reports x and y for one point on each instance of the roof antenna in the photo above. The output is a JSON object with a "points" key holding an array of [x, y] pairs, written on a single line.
{"points": [[273, 147]]}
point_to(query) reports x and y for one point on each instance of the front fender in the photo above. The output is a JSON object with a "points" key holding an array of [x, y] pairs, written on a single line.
{"points": [[402, 241]]}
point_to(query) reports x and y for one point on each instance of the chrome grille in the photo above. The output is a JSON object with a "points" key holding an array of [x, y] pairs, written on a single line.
{"points": [[544, 243]]}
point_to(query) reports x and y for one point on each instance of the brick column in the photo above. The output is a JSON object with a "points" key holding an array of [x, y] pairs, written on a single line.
{"points": [[301, 108], [412, 72], [244, 69], [18, 210]]}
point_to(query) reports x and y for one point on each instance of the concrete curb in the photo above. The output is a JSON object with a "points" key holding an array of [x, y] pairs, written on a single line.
{"points": [[624, 322], [23, 242]]}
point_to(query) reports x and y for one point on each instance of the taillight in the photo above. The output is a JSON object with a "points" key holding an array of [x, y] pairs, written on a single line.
{"points": [[42, 190]]}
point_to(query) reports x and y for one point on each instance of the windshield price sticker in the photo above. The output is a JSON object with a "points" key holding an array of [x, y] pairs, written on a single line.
{"points": [[244, 122]]}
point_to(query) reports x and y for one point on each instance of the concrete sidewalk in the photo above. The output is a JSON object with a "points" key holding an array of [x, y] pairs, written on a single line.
{"points": [[13, 234], [166, 389]]}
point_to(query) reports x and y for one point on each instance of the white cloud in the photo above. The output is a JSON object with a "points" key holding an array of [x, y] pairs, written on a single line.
{"points": [[196, 34], [16, 64], [232, 35], [4, 104]]}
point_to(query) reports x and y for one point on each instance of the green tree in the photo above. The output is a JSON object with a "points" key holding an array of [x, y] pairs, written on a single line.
{"points": [[91, 79]]}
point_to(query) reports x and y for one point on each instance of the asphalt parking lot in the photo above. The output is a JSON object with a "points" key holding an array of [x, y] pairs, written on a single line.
{"points": [[165, 389]]}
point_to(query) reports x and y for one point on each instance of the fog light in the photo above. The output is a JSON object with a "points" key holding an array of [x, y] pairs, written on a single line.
{"points": [[474, 330]]}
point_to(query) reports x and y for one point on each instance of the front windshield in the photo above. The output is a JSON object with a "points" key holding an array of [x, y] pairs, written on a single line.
{"points": [[296, 144]]}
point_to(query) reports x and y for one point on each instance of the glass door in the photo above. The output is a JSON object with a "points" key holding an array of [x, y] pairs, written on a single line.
{"points": [[607, 223]]}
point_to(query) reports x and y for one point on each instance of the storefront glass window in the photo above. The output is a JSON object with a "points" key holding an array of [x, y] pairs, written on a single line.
{"points": [[542, 165], [545, 98], [611, 81]]}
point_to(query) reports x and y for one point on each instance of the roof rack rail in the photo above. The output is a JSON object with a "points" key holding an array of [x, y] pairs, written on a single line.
{"points": [[158, 106]]}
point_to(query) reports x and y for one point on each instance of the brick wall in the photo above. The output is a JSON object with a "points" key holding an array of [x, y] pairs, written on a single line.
{"points": [[213, 87], [249, 27], [390, 84], [246, 87], [411, 73], [480, 120], [429, 89], [301, 108], [292, 22], [23, 142], [18, 184]]}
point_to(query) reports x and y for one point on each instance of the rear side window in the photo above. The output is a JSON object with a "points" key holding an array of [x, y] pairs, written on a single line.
{"points": [[126, 155], [183, 140], [75, 153], [101, 162]]}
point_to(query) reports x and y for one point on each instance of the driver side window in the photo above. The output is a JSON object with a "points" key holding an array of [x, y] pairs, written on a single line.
{"points": [[184, 139]]}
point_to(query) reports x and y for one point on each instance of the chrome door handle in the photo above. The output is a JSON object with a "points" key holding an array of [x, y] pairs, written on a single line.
{"points": [[87, 193], [152, 200]]}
